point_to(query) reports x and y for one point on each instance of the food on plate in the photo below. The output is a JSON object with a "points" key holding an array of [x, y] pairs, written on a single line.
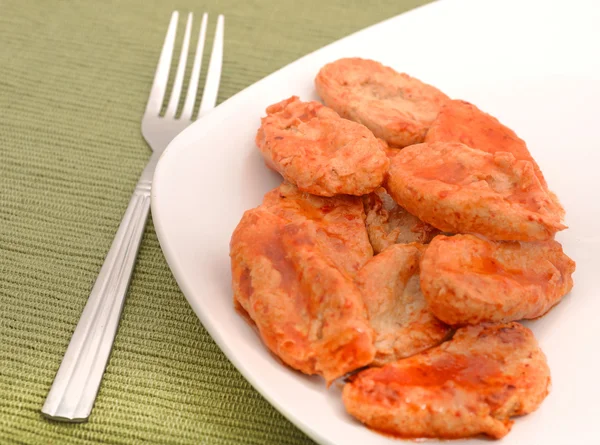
{"points": [[388, 223], [459, 189], [312, 147], [340, 223], [394, 106], [307, 310], [397, 310], [348, 264], [467, 279], [470, 385], [461, 121]]}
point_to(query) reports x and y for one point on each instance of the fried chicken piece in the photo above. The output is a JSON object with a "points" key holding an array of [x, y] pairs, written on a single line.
{"points": [[318, 151], [461, 121], [340, 222], [470, 385], [394, 106], [397, 310], [388, 223], [458, 189], [467, 279], [306, 308]]}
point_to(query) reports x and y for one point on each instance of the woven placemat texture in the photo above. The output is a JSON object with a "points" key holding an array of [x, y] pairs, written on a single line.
{"points": [[74, 80]]}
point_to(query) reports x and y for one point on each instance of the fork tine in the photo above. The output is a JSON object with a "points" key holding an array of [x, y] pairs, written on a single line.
{"points": [[190, 100], [174, 101], [159, 85], [211, 87]]}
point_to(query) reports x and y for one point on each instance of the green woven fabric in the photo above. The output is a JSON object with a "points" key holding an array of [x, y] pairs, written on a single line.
{"points": [[74, 80]]}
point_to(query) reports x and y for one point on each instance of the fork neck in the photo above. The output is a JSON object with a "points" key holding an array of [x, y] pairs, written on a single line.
{"points": [[148, 173]]}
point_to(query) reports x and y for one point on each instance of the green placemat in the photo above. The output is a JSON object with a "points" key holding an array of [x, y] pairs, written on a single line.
{"points": [[74, 80]]}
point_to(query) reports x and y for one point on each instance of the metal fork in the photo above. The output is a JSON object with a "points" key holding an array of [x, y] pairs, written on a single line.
{"points": [[77, 381]]}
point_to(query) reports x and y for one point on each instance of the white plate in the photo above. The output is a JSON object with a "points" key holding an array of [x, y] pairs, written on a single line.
{"points": [[534, 65]]}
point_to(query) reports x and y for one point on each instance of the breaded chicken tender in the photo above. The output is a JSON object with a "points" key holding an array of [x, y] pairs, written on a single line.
{"points": [[397, 310], [467, 279], [468, 386], [293, 260], [339, 220], [461, 121], [394, 106], [458, 189], [388, 223], [312, 147]]}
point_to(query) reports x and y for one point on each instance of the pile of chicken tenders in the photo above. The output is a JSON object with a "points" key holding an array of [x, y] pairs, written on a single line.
{"points": [[410, 234]]}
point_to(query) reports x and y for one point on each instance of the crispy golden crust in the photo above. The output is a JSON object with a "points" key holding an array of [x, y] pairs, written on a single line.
{"points": [[318, 151], [467, 279], [294, 281], [394, 106], [340, 223], [388, 223], [463, 190], [460, 121], [397, 310], [470, 385]]}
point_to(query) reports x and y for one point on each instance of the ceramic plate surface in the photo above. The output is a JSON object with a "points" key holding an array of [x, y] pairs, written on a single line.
{"points": [[535, 66]]}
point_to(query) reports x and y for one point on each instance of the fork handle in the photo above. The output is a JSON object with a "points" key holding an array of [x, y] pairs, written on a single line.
{"points": [[77, 381]]}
